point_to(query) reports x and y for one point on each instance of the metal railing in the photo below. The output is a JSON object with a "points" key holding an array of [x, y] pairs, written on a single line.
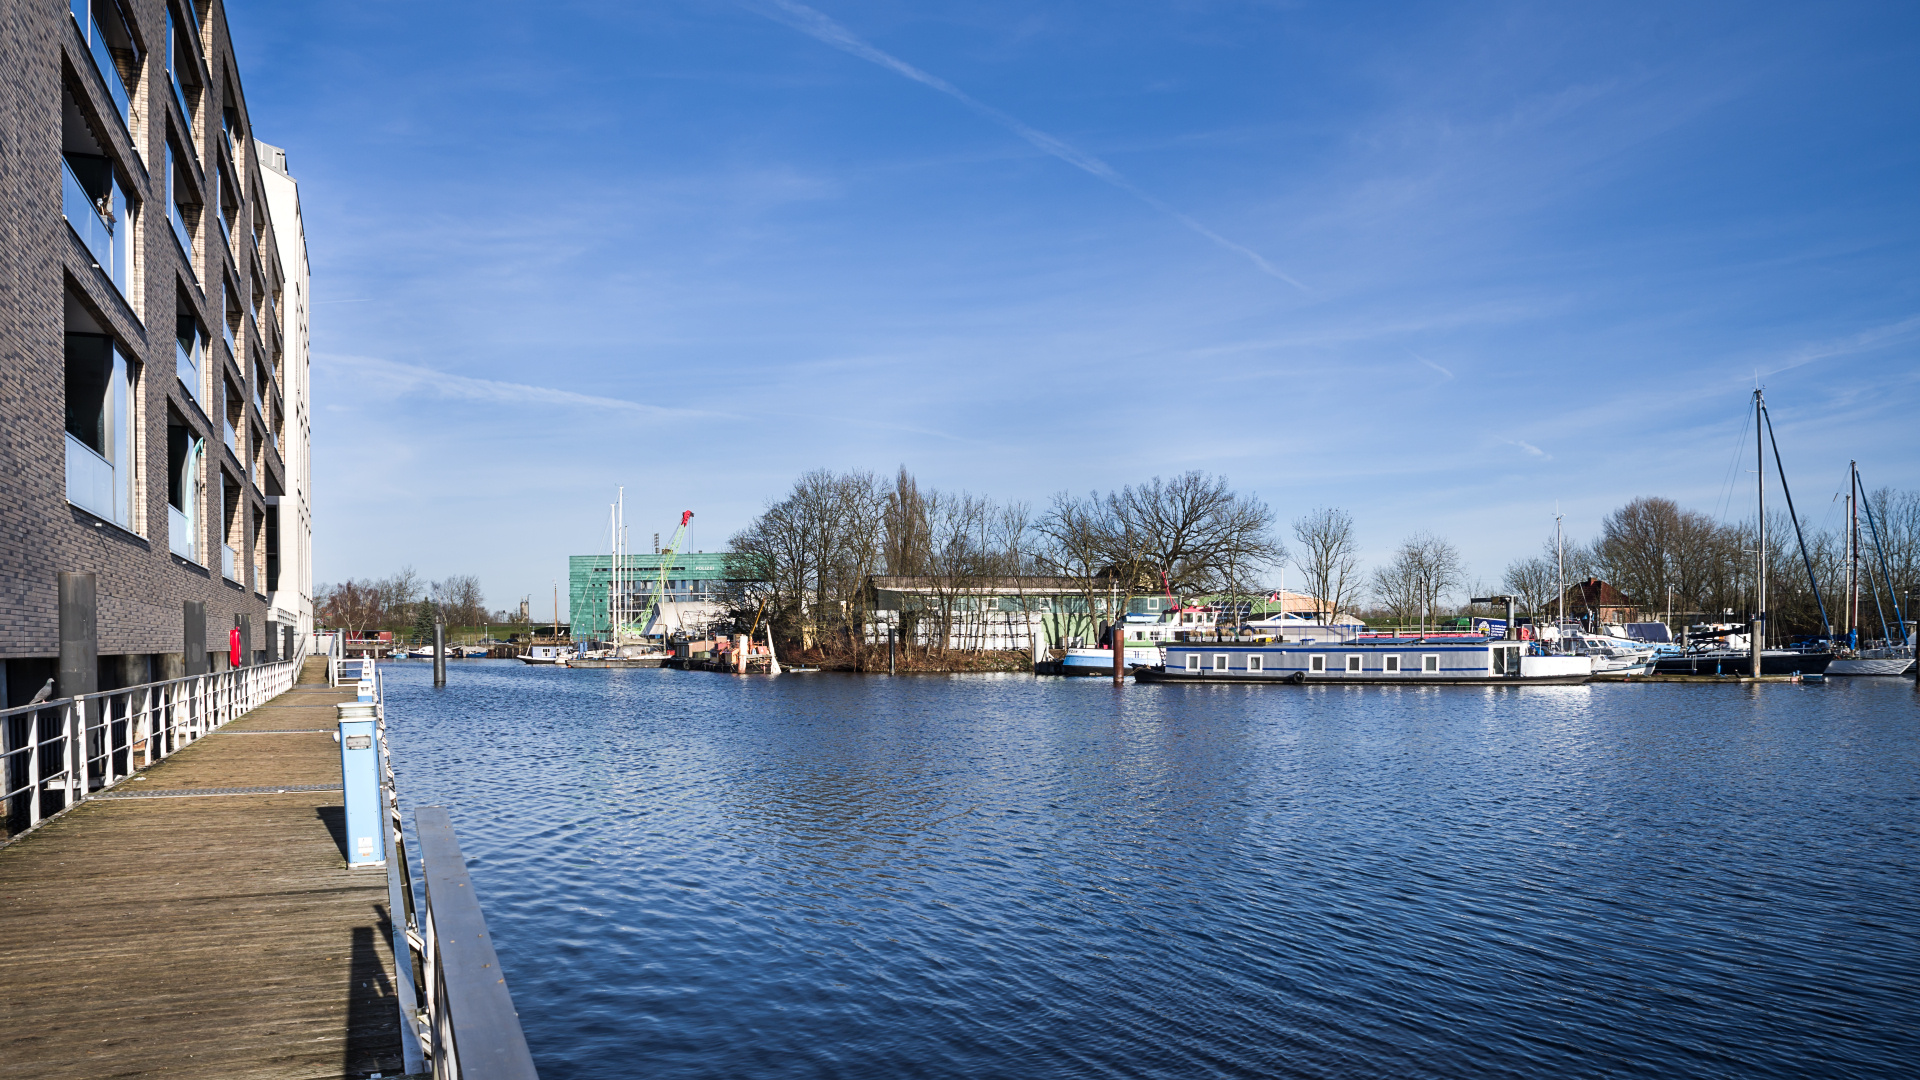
{"points": [[69, 750], [457, 1016]]}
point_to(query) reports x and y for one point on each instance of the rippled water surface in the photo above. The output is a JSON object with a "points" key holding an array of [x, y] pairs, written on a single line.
{"points": [[696, 875]]}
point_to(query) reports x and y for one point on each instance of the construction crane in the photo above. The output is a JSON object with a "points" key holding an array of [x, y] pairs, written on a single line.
{"points": [[666, 562]]}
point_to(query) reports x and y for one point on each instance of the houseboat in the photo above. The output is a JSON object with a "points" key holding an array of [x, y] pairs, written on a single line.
{"points": [[1453, 660]]}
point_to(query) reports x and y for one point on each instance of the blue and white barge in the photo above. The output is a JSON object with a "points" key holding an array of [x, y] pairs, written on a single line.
{"points": [[1449, 660]]}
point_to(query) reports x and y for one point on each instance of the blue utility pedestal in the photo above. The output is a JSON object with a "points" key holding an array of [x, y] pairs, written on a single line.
{"points": [[360, 779]]}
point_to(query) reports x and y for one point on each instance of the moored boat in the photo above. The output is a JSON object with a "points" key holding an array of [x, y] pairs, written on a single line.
{"points": [[1455, 660]]}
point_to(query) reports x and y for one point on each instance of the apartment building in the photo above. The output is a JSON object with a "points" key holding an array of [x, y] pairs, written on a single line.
{"points": [[154, 477]]}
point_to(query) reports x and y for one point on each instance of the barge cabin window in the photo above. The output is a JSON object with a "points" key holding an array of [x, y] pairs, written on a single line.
{"points": [[1430, 663], [1193, 661], [1353, 663], [1316, 663], [1393, 663], [1219, 661], [1253, 662]]}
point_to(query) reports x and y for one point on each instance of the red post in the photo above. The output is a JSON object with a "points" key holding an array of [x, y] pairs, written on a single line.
{"points": [[1119, 653]]}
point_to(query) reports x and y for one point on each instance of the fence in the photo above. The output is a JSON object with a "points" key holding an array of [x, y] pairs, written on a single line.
{"points": [[457, 1016], [57, 754]]}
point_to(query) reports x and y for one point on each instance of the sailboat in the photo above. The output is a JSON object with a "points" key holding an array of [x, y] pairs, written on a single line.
{"points": [[1758, 659], [1892, 654], [629, 647]]}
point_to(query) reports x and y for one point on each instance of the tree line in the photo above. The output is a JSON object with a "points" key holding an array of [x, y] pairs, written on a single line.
{"points": [[1658, 553], [805, 562], [404, 602]]}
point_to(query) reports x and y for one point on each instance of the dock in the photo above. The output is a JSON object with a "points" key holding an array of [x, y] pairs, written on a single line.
{"points": [[1712, 680], [199, 918]]}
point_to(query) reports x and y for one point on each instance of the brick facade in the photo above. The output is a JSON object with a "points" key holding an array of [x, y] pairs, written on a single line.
{"points": [[55, 100]]}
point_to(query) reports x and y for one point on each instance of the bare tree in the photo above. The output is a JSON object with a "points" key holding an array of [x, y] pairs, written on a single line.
{"points": [[1423, 571], [804, 563], [399, 593], [1532, 582], [351, 605], [1330, 557], [461, 600], [1194, 532]]}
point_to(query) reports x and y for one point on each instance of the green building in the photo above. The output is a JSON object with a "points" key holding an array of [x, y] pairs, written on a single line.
{"points": [[692, 582]]}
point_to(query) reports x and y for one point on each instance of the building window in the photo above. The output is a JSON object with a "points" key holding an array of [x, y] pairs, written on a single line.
{"points": [[185, 453], [1193, 661], [1392, 663], [101, 397], [183, 210], [1430, 664], [114, 55], [1219, 661], [1353, 663], [183, 66], [96, 206], [273, 546], [189, 351], [1253, 662], [1317, 663]]}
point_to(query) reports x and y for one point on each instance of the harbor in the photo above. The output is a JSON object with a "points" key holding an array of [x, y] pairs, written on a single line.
{"points": [[848, 874]]}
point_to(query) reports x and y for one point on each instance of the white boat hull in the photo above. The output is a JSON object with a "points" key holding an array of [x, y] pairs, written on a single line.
{"points": [[1899, 665]]}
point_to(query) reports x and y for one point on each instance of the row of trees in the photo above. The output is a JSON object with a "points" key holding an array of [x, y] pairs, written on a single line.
{"points": [[1653, 545], [812, 552], [806, 560], [404, 601]]}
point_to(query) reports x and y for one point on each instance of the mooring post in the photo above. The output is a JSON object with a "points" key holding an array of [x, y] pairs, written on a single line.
{"points": [[1119, 654], [439, 652], [889, 648]]}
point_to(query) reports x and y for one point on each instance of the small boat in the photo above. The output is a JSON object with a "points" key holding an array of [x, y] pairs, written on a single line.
{"points": [[548, 655]]}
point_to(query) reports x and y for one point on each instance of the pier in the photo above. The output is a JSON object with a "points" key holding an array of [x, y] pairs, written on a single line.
{"points": [[200, 918], [191, 910]]}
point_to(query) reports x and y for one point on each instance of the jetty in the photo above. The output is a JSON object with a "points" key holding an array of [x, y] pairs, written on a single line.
{"points": [[196, 909]]}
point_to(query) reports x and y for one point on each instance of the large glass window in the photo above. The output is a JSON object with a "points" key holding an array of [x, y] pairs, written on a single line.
{"points": [[115, 58], [180, 212], [183, 66], [97, 208], [185, 451], [189, 352], [100, 388]]}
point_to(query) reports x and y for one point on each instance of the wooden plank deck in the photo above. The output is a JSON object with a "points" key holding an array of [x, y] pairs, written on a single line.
{"points": [[206, 935]]}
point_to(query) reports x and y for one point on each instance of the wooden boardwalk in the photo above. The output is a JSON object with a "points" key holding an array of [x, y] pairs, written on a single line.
{"points": [[202, 935]]}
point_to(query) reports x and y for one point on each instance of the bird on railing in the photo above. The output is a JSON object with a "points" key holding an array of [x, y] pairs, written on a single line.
{"points": [[45, 693]]}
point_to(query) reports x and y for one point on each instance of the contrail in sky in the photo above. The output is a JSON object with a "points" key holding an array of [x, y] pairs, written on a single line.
{"points": [[816, 25]]}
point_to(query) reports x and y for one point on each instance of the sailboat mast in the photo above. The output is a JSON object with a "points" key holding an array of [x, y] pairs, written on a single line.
{"points": [[1560, 558], [1757, 632], [1853, 549]]}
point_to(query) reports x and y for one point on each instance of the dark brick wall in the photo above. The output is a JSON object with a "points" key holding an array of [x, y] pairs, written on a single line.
{"points": [[141, 583]]}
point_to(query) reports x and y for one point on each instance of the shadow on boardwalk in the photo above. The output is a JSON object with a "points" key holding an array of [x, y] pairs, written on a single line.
{"points": [[202, 935]]}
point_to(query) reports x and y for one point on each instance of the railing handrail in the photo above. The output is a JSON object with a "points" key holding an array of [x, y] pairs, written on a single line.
{"points": [[53, 702], [457, 1016], [476, 1028], [82, 745]]}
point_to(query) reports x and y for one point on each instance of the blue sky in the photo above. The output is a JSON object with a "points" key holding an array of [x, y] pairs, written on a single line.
{"points": [[1445, 265]]}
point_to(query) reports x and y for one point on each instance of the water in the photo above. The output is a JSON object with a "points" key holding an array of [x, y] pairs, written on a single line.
{"points": [[696, 875]]}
